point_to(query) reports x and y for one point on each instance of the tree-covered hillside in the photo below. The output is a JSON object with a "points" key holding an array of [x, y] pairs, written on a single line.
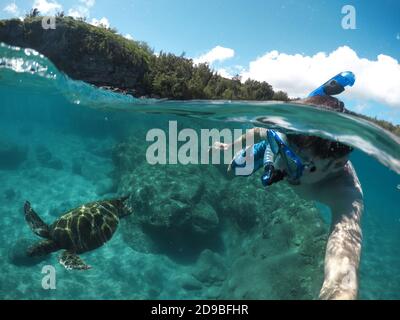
{"points": [[100, 56]]}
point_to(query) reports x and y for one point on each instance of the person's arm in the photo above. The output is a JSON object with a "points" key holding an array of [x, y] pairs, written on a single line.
{"points": [[342, 257], [255, 135]]}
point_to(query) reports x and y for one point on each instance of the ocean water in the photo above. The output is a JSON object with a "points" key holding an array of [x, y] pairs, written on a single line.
{"points": [[195, 234]]}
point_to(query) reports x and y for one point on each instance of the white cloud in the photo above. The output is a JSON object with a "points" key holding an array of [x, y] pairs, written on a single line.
{"points": [[298, 74], [398, 36], [224, 73], [79, 12], [88, 3], [361, 107], [128, 36], [216, 54], [103, 22], [230, 72], [47, 7], [12, 9], [83, 10]]}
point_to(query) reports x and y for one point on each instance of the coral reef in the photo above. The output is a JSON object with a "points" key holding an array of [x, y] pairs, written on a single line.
{"points": [[238, 240]]}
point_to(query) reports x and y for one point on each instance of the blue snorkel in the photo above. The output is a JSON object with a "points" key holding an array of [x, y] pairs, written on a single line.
{"points": [[335, 85]]}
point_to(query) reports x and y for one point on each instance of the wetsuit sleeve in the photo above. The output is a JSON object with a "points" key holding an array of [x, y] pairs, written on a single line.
{"points": [[251, 158]]}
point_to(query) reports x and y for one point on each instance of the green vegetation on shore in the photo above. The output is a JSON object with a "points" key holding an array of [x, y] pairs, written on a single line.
{"points": [[386, 125], [99, 55], [395, 129]]}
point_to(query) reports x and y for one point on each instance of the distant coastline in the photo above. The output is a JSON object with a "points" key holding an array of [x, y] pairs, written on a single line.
{"points": [[102, 57]]}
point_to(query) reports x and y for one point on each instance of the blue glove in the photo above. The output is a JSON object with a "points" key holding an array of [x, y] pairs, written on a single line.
{"points": [[267, 175], [271, 175]]}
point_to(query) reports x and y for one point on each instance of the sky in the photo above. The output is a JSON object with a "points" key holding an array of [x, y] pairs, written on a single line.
{"points": [[295, 45]]}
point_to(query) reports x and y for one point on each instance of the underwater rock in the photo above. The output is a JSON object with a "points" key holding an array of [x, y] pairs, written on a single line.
{"points": [[46, 159], [10, 194], [77, 167], [173, 196], [17, 254], [204, 218], [282, 256], [189, 283], [11, 155], [238, 239], [174, 209], [277, 277], [244, 202], [134, 235], [172, 204], [55, 164], [210, 268], [127, 156], [105, 186], [43, 154]]}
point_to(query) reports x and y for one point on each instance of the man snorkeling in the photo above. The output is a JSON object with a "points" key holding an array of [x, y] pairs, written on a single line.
{"points": [[318, 169]]}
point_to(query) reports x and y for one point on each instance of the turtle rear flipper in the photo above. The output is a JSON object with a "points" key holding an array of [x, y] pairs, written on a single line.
{"points": [[35, 223], [71, 261], [42, 248]]}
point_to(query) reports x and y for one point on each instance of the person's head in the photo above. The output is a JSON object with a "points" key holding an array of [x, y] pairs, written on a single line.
{"points": [[320, 147], [326, 102], [122, 205]]}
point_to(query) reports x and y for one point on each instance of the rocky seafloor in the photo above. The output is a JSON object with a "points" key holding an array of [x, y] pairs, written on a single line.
{"points": [[237, 240], [194, 234]]}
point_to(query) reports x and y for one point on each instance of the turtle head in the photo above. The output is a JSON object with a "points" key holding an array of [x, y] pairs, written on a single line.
{"points": [[123, 206]]}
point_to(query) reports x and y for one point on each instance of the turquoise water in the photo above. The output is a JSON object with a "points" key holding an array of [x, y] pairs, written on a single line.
{"points": [[64, 143]]}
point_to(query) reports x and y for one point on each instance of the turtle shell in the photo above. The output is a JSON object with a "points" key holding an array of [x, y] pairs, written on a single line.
{"points": [[85, 228]]}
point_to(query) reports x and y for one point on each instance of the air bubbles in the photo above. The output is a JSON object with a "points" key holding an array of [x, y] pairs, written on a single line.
{"points": [[398, 187]]}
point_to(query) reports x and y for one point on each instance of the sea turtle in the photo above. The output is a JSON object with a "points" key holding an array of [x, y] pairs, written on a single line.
{"points": [[79, 230]]}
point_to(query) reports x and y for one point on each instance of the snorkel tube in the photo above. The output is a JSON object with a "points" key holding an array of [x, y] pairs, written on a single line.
{"points": [[335, 85]]}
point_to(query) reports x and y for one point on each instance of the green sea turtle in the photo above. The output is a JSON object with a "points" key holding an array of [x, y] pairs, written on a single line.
{"points": [[79, 230]]}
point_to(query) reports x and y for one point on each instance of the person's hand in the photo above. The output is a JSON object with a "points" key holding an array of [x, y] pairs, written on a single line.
{"points": [[229, 170], [233, 164], [220, 146], [266, 178], [271, 175]]}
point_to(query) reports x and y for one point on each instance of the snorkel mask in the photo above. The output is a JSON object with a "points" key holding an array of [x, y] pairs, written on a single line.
{"points": [[294, 165]]}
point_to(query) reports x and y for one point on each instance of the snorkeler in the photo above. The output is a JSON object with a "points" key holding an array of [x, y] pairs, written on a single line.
{"points": [[318, 170]]}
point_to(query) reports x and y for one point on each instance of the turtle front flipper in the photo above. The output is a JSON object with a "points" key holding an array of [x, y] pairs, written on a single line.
{"points": [[71, 261], [35, 223]]}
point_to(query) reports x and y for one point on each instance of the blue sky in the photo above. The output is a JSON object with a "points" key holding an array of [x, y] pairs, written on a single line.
{"points": [[252, 29]]}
